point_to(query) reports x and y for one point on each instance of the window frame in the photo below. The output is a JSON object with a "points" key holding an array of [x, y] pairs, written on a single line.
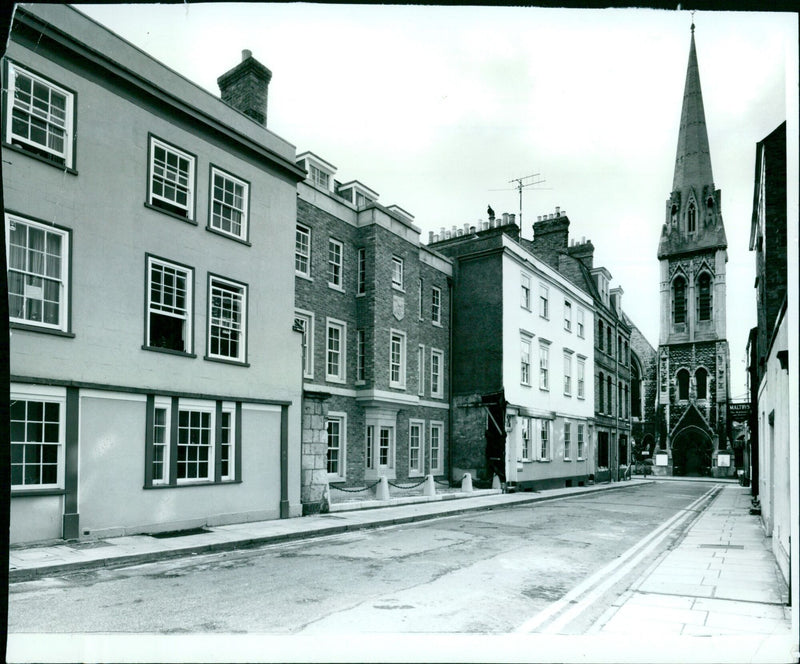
{"points": [[525, 291], [568, 373], [420, 299], [438, 426], [165, 404], [581, 322], [361, 355], [581, 442], [196, 406], [43, 394], [340, 475], [33, 148], [307, 318], [232, 286], [162, 203], [676, 301], [567, 316], [244, 234], [525, 428], [418, 469], [302, 230], [421, 370], [581, 378], [189, 331], [336, 269], [341, 375], [436, 306], [437, 383], [545, 441], [64, 279], [567, 440], [708, 306], [398, 266], [544, 302], [544, 366], [361, 271], [400, 337], [525, 367]]}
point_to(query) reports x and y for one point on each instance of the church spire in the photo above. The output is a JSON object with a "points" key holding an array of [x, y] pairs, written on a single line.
{"points": [[693, 159]]}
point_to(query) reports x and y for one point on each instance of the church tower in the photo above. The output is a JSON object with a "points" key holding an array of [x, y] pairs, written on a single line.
{"points": [[693, 357]]}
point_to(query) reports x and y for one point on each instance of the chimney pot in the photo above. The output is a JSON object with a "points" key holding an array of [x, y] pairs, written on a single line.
{"points": [[512, 218], [505, 218], [430, 237], [558, 213], [583, 239], [466, 228]]}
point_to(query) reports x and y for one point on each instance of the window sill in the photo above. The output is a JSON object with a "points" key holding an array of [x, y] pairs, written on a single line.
{"points": [[437, 396], [337, 479], [543, 460], [228, 236], [334, 379], [397, 386], [301, 275], [399, 289], [335, 287], [37, 157], [360, 382], [222, 360], [169, 213], [168, 351], [567, 459], [435, 324], [35, 328], [361, 294], [32, 493], [184, 483]]}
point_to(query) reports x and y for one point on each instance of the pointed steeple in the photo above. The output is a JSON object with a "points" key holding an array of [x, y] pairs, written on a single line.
{"points": [[693, 159], [694, 208]]}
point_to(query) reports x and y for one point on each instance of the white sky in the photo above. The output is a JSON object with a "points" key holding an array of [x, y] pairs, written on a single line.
{"points": [[435, 108]]}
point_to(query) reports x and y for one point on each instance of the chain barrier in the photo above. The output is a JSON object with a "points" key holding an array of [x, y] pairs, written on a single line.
{"points": [[366, 488], [412, 486], [440, 483]]}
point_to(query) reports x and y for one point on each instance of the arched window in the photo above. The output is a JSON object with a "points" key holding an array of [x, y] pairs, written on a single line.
{"points": [[704, 296], [610, 343], [600, 334], [679, 300], [626, 357], [600, 393], [691, 218], [701, 378], [683, 384], [619, 350]]}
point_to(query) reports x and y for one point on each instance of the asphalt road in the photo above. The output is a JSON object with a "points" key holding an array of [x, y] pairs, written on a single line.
{"points": [[477, 573]]}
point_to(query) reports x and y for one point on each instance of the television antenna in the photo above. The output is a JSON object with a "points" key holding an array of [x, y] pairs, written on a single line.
{"points": [[522, 183]]}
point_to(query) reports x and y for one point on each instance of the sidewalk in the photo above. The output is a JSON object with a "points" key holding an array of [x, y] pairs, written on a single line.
{"points": [[720, 579], [31, 562]]}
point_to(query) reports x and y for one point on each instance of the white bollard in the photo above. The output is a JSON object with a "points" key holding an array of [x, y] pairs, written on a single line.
{"points": [[429, 488], [382, 492], [466, 483], [496, 482]]}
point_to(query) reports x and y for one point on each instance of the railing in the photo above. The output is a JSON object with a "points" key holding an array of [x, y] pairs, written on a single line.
{"points": [[383, 484]]}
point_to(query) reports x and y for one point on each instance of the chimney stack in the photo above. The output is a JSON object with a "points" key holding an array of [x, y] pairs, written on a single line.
{"points": [[245, 87], [584, 252], [550, 238]]}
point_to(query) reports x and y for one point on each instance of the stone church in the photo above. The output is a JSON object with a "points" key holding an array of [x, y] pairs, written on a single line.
{"points": [[693, 430]]}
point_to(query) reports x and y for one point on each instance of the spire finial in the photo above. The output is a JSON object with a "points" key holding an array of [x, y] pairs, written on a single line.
{"points": [[693, 21]]}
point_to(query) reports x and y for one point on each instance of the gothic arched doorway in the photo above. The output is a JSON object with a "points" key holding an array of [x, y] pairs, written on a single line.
{"points": [[692, 450]]}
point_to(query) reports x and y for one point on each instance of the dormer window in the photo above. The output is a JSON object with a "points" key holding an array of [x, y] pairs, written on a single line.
{"points": [[691, 218], [320, 172], [319, 177]]}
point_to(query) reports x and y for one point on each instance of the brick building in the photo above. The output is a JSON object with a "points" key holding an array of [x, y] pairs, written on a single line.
{"points": [[522, 360], [770, 423], [612, 339], [693, 356], [150, 288], [374, 307]]}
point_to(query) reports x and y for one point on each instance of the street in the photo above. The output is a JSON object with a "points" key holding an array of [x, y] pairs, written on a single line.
{"points": [[490, 572]]}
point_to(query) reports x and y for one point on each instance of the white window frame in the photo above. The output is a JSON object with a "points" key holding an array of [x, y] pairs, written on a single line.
{"points": [[165, 404], [341, 326], [30, 291], [438, 468], [544, 302], [226, 203], [567, 373], [335, 264], [419, 425], [229, 409], [188, 315], [197, 406], [419, 299], [227, 326], [306, 319], [361, 267], [545, 441], [581, 442], [525, 288], [390, 448], [436, 306], [319, 177], [397, 273], [568, 315], [190, 181], [544, 366], [437, 387], [45, 394], [341, 473], [369, 442], [526, 353], [581, 322], [567, 440], [361, 355], [421, 369], [49, 118], [398, 365], [525, 437], [581, 378], [302, 250]]}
